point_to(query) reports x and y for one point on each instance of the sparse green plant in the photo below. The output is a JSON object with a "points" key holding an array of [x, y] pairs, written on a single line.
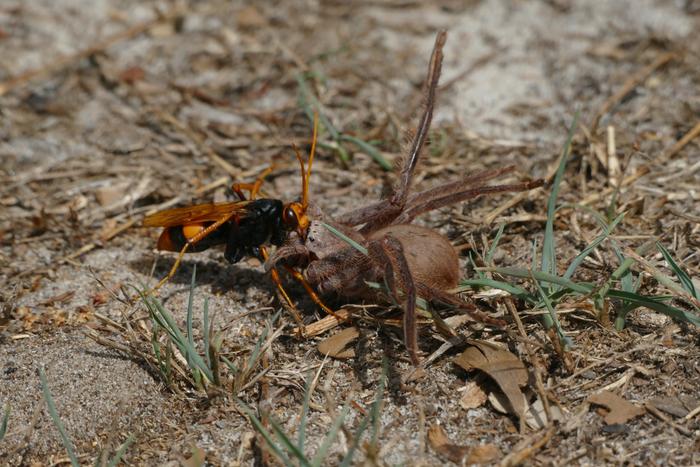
{"points": [[103, 458], [5, 420], [203, 360], [281, 444], [551, 289], [338, 140]]}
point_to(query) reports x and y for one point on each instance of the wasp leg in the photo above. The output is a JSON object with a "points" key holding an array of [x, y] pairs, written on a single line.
{"points": [[238, 188], [252, 188], [312, 293], [191, 241], [274, 274]]}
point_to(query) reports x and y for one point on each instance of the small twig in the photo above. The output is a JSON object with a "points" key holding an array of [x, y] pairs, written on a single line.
{"points": [[602, 362], [325, 324], [692, 414], [63, 62], [531, 356], [199, 141], [532, 445], [687, 138], [629, 85], [657, 413]]}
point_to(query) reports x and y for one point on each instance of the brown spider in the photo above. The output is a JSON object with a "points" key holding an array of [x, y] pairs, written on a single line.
{"points": [[410, 259]]}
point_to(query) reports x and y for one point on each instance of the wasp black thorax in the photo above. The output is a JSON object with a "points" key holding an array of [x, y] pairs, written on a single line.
{"points": [[261, 224]]}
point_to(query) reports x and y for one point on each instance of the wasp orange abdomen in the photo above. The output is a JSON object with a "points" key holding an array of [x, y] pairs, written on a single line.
{"points": [[174, 238], [166, 242], [191, 230]]}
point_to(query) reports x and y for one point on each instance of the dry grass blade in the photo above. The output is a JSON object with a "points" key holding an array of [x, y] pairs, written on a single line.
{"points": [[69, 60]]}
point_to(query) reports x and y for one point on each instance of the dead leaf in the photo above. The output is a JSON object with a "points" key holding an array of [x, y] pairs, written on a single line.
{"points": [[473, 396], [441, 444], [59, 299], [111, 194], [250, 17], [335, 346], [500, 402], [502, 366], [536, 416], [132, 74], [621, 411], [673, 405], [484, 454], [197, 458]]}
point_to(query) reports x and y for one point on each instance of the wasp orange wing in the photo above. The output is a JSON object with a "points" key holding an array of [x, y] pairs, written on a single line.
{"points": [[211, 212]]}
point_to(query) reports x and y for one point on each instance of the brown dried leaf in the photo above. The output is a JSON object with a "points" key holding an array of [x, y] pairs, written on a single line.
{"points": [[335, 346], [473, 396], [197, 459], [536, 417], [621, 411], [109, 195], [502, 366], [673, 405], [132, 74], [441, 444], [484, 454], [250, 17]]}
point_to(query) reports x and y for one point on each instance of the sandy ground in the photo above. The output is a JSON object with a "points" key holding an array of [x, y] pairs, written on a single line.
{"points": [[91, 144]]}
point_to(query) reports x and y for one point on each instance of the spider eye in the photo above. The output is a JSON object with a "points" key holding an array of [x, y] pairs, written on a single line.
{"points": [[290, 218]]}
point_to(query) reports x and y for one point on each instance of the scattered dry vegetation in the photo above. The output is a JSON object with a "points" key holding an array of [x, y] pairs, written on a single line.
{"points": [[108, 113]]}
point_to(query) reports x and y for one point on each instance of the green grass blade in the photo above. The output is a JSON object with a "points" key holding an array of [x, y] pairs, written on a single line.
{"points": [[371, 418], [346, 239], [480, 274], [288, 443], [566, 342], [167, 322], [191, 349], [185, 344], [305, 411], [578, 287], [56, 419], [231, 366], [255, 354], [257, 424], [357, 437], [592, 246], [5, 420], [369, 149], [657, 304], [628, 284], [495, 284], [328, 441], [120, 452], [375, 412], [494, 245], [310, 104], [683, 277], [205, 329], [549, 260]]}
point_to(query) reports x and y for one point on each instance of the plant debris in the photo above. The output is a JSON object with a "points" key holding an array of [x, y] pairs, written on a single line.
{"points": [[619, 410], [462, 455], [503, 367], [336, 345]]}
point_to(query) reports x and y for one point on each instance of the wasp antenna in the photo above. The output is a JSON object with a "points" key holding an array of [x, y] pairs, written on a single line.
{"points": [[305, 195], [302, 168]]}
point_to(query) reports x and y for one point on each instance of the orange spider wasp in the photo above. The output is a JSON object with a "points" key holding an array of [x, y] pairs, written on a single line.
{"points": [[245, 227]]}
